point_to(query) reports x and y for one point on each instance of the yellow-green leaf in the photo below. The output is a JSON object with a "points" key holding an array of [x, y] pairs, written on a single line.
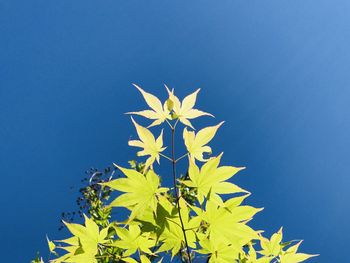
{"points": [[159, 113], [140, 191], [133, 239], [184, 111], [150, 145], [196, 144], [224, 226], [83, 246], [51, 245], [291, 255], [219, 252], [273, 246], [210, 180], [172, 236]]}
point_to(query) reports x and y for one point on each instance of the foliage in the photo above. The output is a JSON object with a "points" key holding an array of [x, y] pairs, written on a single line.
{"points": [[200, 217], [93, 197]]}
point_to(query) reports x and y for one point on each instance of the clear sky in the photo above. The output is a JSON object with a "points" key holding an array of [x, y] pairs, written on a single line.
{"points": [[276, 71]]}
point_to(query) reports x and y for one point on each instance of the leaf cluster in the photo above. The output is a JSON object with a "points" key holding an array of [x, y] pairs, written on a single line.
{"points": [[200, 217]]}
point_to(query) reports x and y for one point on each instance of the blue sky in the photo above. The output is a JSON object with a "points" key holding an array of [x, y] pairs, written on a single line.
{"points": [[276, 71]]}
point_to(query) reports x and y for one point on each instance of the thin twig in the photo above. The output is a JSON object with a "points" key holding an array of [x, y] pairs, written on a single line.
{"points": [[174, 222], [176, 192], [171, 127], [166, 157], [178, 159], [175, 124]]}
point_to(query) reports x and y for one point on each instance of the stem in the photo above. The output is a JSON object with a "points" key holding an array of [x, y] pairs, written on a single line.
{"points": [[171, 127], [166, 157], [176, 192], [138, 251], [178, 159], [176, 123]]}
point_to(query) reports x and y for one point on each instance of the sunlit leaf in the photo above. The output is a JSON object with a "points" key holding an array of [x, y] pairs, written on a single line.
{"points": [[196, 144], [211, 180], [133, 239], [184, 111], [158, 112], [140, 191], [291, 255], [148, 143]]}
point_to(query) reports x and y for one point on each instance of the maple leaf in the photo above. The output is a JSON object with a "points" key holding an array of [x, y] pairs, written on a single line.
{"points": [[196, 143], [143, 259], [51, 245], [171, 233], [273, 246], [219, 252], [210, 180], [150, 145], [291, 255], [227, 223], [140, 191], [184, 111], [89, 235], [251, 256], [166, 224], [84, 244], [159, 113], [81, 258], [134, 239], [72, 249]]}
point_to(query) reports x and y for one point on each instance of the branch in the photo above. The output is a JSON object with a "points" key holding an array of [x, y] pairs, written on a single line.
{"points": [[176, 192]]}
